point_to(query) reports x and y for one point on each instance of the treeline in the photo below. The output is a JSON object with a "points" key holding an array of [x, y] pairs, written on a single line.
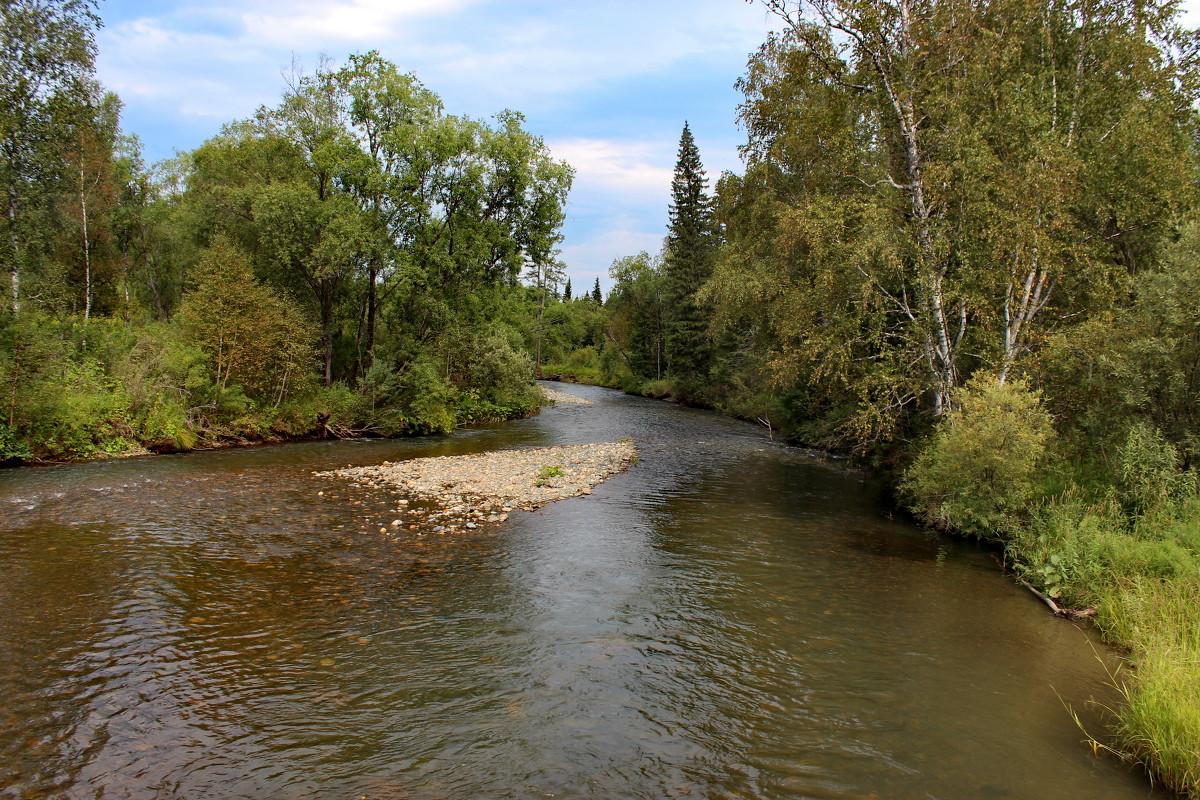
{"points": [[964, 248], [346, 260]]}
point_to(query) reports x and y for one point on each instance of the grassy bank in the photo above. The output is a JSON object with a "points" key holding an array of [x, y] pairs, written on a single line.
{"points": [[1141, 572]]}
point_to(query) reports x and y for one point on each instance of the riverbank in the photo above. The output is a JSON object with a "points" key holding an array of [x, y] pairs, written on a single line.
{"points": [[469, 490], [331, 414]]}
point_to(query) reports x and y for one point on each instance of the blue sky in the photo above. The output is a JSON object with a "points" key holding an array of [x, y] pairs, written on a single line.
{"points": [[606, 83]]}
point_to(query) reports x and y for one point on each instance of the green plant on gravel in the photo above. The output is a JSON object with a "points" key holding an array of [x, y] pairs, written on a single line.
{"points": [[546, 473]]}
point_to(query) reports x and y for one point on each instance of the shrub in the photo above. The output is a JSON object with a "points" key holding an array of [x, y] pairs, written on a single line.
{"points": [[499, 372], [425, 397], [977, 474], [12, 449], [1150, 476]]}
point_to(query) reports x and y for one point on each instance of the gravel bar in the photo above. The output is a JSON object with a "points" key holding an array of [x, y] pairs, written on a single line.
{"points": [[555, 396], [480, 488]]}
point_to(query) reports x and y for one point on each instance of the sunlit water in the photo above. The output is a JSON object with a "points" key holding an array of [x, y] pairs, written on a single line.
{"points": [[727, 619]]}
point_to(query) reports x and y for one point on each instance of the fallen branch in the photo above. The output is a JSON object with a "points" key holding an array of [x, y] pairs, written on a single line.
{"points": [[1069, 613]]}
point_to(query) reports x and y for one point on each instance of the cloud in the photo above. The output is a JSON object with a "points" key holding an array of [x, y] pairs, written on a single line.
{"points": [[320, 24], [616, 167], [607, 84]]}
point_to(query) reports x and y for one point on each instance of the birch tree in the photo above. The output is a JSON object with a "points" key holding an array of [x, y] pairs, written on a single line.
{"points": [[47, 54], [933, 185]]}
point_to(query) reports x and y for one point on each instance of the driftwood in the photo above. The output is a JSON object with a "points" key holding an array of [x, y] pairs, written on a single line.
{"points": [[1069, 613]]}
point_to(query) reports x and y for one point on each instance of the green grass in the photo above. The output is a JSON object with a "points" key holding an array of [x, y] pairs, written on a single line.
{"points": [[1142, 574], [1159, 723]]}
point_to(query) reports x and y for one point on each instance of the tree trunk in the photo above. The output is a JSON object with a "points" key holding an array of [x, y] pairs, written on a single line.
{"points": [[940, 346], [14, 241], [87, 252], [372, 300], [327, 340]]}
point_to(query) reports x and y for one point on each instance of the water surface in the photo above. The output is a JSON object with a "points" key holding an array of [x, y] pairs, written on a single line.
{"points": [[727, 619]]}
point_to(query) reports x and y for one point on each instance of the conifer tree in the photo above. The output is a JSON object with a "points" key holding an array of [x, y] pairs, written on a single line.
{"points": [[596, 295], [567, 292], [691, 241]]}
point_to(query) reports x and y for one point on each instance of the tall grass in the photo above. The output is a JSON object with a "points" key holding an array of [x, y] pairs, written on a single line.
{"points": [[1159, 723]]}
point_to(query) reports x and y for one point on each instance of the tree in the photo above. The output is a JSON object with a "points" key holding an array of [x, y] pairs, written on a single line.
{"points": [[597, 296], [47, 53], [567, 292], [544, 276], [90, 204], [687, 264], [400, 225], [253, 338], [636, 310], [942, 182], [387, 113]]}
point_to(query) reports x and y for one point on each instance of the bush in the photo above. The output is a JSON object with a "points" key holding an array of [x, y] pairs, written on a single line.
{"points": [[499, 373], [425, 399], [12, 449], [1150, 476], [978, 472], [83, 416]]}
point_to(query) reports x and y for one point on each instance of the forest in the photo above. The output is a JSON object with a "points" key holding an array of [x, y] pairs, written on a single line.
{"points": [[347, 261], [964, 249]]}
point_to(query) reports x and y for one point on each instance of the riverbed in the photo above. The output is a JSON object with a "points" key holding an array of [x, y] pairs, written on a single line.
{"points": [[728, 618]]}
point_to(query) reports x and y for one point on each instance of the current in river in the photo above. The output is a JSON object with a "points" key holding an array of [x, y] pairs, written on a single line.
{"points": [[729, 618]]}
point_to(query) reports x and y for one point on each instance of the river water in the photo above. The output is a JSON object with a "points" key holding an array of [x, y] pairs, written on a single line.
{"points": [[727, 619]]}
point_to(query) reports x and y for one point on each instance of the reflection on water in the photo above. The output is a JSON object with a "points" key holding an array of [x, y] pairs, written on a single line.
{"points": [[727, 619]]}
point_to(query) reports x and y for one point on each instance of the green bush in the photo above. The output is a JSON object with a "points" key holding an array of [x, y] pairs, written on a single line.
{"points": [[426, 398], [978, 473], [499, 373], [83, 416], [12, 449], [1149, 470]]}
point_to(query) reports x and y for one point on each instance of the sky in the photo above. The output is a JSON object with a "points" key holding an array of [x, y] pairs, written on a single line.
{"points": [[607, 84]]}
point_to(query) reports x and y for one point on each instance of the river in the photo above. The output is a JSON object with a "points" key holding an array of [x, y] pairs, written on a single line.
{"points": [[727, 619]]}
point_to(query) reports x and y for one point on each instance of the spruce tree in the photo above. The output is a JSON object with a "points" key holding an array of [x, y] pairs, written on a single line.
{"points": [[688, 262], [596, 295], [567, 292]]}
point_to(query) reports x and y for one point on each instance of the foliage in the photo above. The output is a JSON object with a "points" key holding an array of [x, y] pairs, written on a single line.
{"points": [[978, 473], [47, 55], [252, 338], [928, 194], [1149, 470], [1160, 721]]}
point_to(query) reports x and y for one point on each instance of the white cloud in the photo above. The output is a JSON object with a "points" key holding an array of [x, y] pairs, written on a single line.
{"points": [[617, 167], [607, 83], [319, 24]]}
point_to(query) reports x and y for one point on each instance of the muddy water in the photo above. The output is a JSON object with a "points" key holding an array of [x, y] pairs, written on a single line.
{"points": [[727, 619]]}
